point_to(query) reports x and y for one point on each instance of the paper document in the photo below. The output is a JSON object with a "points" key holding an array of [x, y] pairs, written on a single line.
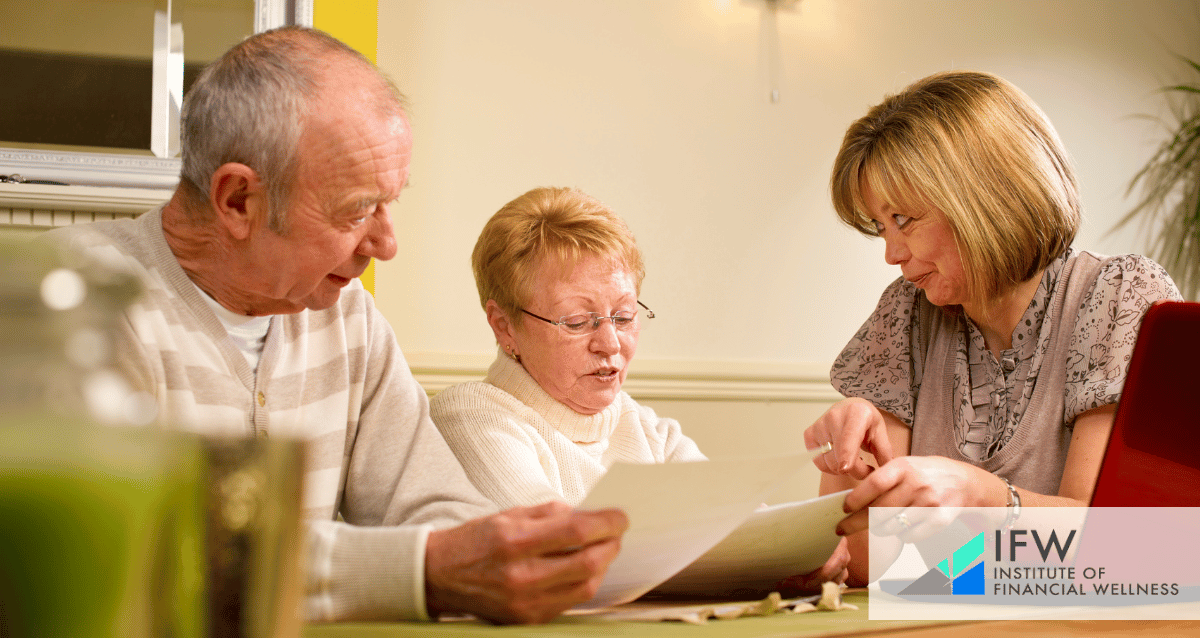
{"points": [[677, 512], [774, 543]]}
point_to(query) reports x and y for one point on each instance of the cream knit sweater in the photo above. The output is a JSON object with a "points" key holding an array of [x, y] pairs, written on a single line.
{"points": [[520, 446]]}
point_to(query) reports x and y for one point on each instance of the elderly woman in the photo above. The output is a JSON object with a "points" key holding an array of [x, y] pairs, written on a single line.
{"points": [[989, 373], [558, 275]]}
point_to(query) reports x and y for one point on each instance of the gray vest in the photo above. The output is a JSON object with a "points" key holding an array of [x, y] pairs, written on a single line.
{"points": [[1035, 456]]}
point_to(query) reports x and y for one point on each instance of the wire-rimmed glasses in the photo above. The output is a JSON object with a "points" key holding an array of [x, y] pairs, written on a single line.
{"points": [[589, 322]]}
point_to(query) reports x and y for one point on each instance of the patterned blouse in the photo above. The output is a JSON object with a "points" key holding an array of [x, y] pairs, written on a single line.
{"points": [[991, 394]]}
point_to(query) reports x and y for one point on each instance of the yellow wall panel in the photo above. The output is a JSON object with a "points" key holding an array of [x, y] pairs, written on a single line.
{"points": [[355, 22]]}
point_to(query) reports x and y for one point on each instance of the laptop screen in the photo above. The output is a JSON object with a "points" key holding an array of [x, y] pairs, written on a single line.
{"points": [[1153, 454]]}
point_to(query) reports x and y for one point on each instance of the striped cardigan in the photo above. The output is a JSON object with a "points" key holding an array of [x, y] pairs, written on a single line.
{"points": [[335, 378]]}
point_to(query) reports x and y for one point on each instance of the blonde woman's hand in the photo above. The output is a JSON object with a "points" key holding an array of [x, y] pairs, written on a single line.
{"points": [[929, 490], [850, 425]]}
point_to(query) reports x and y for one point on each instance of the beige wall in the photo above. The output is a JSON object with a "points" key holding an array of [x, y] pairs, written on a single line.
{"points": [[746, 428], [663, 110]]}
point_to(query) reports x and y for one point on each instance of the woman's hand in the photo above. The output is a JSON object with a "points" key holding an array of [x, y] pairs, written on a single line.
{"points": [[834, 570], [920, 482], [850, 425]]}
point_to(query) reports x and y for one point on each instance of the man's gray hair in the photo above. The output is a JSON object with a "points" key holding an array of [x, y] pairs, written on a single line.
{"points": [[249, 107]]}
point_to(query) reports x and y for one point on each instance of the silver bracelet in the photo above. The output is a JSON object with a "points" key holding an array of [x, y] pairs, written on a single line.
{"points": [[1014, 504]]}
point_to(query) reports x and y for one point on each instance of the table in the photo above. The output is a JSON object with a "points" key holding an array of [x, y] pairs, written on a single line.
{"points": [[816, 623], [809, 625]]}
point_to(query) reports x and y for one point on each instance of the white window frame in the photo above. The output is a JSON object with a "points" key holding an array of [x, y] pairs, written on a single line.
{"points": [[133, 171]]}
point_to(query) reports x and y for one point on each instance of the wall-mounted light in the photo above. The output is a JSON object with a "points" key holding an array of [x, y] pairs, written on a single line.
{"points": [[771, 9]]}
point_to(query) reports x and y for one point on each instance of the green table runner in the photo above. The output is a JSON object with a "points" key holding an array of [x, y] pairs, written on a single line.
{"points": [[816, 623]]}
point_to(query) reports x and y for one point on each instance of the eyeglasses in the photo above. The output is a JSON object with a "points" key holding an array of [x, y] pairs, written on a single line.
{"points": [[590, 322]]}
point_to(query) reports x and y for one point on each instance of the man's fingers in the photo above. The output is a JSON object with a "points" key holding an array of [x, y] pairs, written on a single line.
{"points": [[524, 564], [539, 588], [549, 509], [566, 591], [558, 531], [567, 571]]}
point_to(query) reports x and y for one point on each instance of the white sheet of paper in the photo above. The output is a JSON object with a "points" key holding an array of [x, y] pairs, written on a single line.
{"points": [[678, 511], [774, 543]]}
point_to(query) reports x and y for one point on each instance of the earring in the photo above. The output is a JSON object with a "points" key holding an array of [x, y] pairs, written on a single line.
{"points": [[512, 355]]}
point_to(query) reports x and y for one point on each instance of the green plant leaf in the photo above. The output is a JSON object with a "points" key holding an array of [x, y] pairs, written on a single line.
{"points": [[1169, 184]]}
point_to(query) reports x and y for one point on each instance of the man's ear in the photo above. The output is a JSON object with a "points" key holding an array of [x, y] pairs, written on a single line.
{"points": [[238, 198], [504, 329]]}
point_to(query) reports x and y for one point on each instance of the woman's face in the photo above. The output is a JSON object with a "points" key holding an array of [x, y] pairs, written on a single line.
{"points": [[922, 243], [583, 371]]}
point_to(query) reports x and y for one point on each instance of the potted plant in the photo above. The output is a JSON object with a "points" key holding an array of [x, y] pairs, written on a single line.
{"points": [[1170, 183]]}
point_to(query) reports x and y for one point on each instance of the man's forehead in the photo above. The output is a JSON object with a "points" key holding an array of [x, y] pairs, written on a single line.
{"points": [[397, 125], [344, 125], [352, 88]]}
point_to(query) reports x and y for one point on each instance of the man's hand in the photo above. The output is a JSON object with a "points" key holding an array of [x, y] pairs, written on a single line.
{"points": [[523, 565]]}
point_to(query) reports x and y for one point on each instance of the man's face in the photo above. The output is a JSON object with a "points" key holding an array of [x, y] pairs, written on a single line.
{"points": [[352, 163]]}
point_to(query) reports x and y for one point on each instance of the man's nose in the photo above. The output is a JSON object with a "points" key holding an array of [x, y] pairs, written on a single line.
{"points": [[380, 240]]}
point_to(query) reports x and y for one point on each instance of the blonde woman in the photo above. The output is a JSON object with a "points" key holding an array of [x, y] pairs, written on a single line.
{"points": [[989, 373]]}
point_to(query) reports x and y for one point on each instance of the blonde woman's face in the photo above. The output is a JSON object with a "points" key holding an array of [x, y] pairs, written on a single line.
{"points": [[922, 243], [584, 371]]}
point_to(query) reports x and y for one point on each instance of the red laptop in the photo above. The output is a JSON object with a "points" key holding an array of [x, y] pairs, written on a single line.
{"points": [[1153, 455]]}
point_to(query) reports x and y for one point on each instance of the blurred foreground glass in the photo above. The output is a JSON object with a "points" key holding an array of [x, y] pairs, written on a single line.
{"points": [[125, 531], [101, 531]]}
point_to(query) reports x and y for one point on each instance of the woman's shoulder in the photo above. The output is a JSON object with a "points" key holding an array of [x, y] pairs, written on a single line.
{"points": [[1130, 263], [898, 310], [627, 403], [899, 293], [664, 433], [470, 397], [1132, 278], [1137, 265], [1106, 328], [647, 416]]}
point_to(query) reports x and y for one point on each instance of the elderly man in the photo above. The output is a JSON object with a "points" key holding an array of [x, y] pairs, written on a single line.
{"points": [[254, 323]]}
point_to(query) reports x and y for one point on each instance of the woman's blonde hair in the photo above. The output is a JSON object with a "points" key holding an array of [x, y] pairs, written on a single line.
{"points": [[558, 223], [980, 151]]}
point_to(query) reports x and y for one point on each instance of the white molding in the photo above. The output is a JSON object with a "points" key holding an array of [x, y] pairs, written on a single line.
{"points": [[96, 199], [91, 169], [269, 14], [685, 380], [133, 171], [302, 12]]}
